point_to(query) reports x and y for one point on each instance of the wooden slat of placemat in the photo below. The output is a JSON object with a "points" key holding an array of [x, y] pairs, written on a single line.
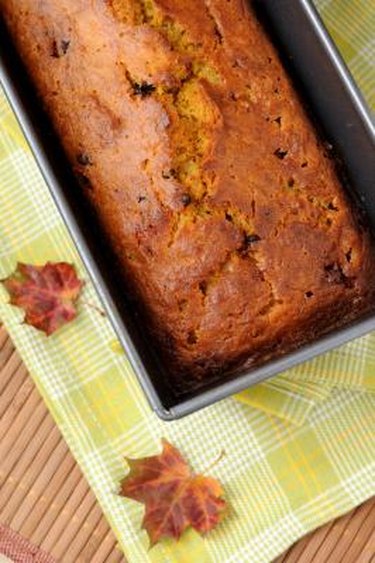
{"points": [[43, 493], [44, 496]]}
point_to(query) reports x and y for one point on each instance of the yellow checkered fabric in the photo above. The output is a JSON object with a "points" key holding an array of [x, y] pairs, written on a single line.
{"points": [[300, 449]]}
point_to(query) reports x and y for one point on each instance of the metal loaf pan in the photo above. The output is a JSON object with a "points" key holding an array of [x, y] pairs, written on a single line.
{"points": [[338, 108]]}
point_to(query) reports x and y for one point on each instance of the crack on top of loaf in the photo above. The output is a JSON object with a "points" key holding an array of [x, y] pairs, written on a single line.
{"points": [[325, 208], [131, 13], [194, 116], [205, 285], [218, 33]]}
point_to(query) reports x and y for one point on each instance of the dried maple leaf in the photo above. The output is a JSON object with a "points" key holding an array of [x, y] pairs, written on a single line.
{"points": [[46, 293], [174, 497]]}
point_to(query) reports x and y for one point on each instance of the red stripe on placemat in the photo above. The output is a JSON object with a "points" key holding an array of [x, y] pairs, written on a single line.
{"points": [[20, 550]]}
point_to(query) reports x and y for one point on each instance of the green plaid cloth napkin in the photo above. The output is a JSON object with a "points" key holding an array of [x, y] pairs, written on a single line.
{"points": [[294, 394], [281, 479]]}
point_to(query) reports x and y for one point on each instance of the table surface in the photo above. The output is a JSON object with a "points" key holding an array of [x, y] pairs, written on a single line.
{"points": [[44, 496]]}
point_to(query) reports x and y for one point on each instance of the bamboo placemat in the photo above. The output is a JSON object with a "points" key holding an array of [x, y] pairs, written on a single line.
{"points": [[44, 496], [43, 493]]}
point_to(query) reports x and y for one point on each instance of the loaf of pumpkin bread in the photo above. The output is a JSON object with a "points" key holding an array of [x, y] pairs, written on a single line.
{"points": [[220, 200]]}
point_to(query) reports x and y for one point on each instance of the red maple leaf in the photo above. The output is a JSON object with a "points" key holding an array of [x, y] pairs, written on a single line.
{"points": [[46, 293], [174, 497]]}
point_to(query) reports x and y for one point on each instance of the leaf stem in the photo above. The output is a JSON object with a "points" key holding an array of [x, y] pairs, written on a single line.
{"points": [[95, 307], [213, 463]]}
